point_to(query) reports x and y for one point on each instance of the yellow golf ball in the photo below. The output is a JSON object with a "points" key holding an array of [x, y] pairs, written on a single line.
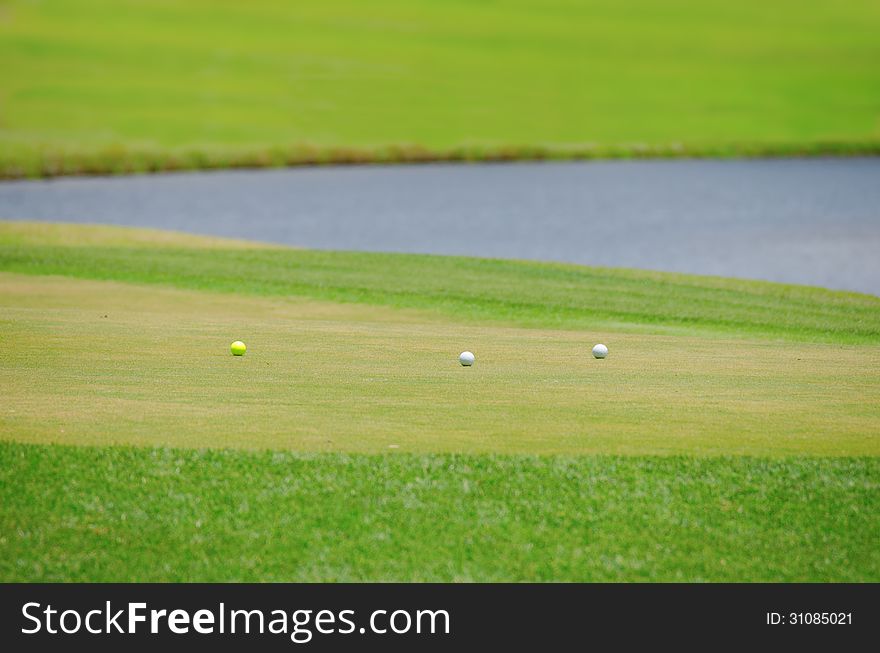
{"points": [[237, 348]]}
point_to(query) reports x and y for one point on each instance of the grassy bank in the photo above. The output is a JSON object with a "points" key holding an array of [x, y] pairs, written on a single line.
{"points": [[49, 161], [102, 87], [468, 290]]}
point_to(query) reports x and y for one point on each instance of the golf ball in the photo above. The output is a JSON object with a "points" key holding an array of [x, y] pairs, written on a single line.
{"points": [[600, 351], [237, 348], [466, 358]]}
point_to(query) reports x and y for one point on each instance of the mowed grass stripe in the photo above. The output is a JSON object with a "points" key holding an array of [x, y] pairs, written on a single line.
{"points": [[466, 289], [134, 514]]}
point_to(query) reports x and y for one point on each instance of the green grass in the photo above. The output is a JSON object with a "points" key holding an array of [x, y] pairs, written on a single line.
{"points": [[732, 434], [111, 514], [465, 289], [107, 363], [101, 86]]}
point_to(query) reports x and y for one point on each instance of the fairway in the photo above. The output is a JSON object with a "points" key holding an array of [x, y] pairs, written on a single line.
{"points": [[100, 86], [96, 363], [730, 417]]}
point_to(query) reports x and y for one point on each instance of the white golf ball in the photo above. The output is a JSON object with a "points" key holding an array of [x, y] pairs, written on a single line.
{"points": [[466, 358], [600, 351]]}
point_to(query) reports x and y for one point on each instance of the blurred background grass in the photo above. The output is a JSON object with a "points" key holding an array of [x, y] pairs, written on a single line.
{"points": [[101, 86]]}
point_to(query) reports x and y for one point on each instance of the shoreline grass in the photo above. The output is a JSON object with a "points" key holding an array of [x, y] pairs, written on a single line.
{"points": [[520, 293], [121, 160], [96, 87]]}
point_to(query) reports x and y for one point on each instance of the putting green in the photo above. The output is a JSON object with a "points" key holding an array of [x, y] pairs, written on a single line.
{"points": [[105, 362]]}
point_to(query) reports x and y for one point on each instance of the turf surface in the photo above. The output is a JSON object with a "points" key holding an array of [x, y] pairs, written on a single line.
{"points": [[104, 362], [118, 513], [714, 443], [464, 289], [101, 85]]}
